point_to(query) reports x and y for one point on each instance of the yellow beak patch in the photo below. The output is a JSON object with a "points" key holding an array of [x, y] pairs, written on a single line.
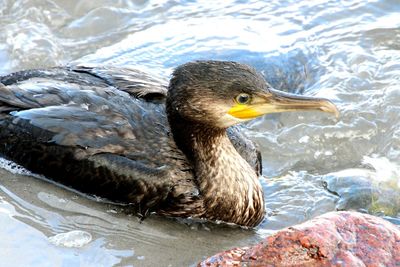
{"points": [[245, 111]]}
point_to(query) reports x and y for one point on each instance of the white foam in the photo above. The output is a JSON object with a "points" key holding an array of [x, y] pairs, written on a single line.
{"points": [[387, 172], [72, 239], [304, 139], [13, 167]]}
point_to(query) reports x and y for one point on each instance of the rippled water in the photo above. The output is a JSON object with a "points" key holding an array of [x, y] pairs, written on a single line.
{"points": [[347, 51]]}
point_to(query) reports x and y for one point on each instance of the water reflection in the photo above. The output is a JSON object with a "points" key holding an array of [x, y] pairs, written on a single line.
{"points": [[347, 51]]}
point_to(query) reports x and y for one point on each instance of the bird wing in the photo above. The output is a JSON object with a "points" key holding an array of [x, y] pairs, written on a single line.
{"points": [[133, 81], [96, 139]]}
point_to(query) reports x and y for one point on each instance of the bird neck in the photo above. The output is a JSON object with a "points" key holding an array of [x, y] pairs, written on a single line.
{"points": [[229, 186]]}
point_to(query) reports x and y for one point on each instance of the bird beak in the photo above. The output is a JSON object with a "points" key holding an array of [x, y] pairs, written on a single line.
{"points": [[277, 101]]}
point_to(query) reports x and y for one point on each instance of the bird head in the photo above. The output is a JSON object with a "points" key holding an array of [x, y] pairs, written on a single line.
{"points": [[223, 93]]}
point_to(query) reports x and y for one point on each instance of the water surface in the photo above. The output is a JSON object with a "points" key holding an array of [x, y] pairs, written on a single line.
{"points": [[347, 51]]}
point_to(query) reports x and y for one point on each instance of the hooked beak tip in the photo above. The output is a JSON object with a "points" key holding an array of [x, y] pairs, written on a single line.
{"points": [[329, 107]]}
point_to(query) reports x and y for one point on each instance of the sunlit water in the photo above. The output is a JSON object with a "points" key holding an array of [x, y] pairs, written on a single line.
{"points": [[347, 51]]}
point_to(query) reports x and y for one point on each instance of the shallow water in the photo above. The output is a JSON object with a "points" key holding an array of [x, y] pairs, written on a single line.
{"points": [[347, 51]]}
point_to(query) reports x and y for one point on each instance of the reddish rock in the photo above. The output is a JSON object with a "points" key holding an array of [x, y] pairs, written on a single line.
{"points": [[333, 239]]}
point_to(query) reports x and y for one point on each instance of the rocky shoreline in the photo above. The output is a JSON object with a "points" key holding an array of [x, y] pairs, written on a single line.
{"points": [[334, 239]]}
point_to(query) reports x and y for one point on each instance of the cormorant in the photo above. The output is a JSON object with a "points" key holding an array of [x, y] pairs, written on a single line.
{"points": [[121, 135]]}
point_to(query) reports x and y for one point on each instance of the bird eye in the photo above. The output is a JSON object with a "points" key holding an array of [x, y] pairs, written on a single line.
{"points": [[242, 98]]}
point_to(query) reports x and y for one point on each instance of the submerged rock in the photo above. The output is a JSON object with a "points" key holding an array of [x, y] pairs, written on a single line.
{"points": [[377, 191], [333, 239]]}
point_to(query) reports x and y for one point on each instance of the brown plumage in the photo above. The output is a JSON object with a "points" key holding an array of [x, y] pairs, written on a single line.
{"points": [[123, 135]]}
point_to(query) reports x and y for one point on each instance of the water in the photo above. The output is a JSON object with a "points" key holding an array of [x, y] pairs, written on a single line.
{"points": [[347, 51]]}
